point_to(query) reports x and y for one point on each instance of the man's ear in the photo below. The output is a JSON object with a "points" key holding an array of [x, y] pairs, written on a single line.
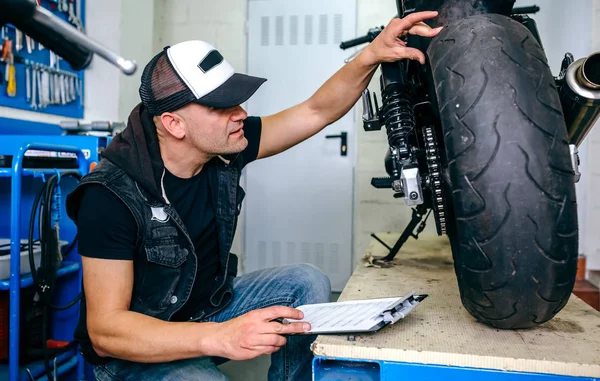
{"points": [[174, 124]]}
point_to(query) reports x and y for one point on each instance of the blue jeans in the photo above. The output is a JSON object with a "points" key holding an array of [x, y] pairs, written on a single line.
{"points": [[291, 286]]}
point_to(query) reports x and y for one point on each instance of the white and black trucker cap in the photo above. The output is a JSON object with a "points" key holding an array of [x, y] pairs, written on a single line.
{"points": [[193, 72]]}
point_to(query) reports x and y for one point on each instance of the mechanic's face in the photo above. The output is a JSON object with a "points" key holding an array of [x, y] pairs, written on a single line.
{"points": [[215, 131]]}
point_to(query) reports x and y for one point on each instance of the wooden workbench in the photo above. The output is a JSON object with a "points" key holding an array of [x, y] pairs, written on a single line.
{"points": [[440, 331]]}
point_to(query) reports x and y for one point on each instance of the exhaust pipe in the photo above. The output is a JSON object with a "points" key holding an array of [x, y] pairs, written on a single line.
{"points": [[589, 72], [580, 96]]}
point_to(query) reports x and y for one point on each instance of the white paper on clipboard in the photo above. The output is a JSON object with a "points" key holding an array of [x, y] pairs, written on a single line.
{"points": [[357, 315]]}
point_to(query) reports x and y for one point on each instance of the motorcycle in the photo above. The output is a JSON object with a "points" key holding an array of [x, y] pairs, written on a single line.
{"points": [[485, 138]]}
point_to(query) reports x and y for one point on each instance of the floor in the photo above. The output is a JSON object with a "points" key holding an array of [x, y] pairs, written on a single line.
{"points": [[253, 370]]}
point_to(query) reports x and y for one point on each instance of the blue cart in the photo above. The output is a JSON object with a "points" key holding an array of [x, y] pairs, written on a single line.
{"points": [[18, 187]]}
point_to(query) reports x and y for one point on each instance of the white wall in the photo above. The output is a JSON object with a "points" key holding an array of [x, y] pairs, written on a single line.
{"points": [[589, 205], [101, 78], [136, 43]]}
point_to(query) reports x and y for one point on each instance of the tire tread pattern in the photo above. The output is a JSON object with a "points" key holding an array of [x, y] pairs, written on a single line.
{"points": [[510, 181]]}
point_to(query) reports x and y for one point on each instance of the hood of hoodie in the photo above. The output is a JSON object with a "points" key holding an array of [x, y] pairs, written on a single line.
{"points": [[137, 152]]}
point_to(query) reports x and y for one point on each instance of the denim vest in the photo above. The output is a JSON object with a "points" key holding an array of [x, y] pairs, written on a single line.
{"points": [[165, 265]]}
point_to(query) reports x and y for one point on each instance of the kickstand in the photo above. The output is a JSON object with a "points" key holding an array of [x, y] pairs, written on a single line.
{"points": [[417, 217]]}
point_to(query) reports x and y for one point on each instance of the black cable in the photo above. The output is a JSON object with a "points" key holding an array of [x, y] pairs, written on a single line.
{"points": [[22, 247], [66, 307], [44, 200], [45, 344], [30, 236], [72, 244], [49, 264]]}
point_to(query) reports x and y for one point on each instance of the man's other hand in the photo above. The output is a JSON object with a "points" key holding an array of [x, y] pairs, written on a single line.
{"points": [[256, 333], [389, 46]]}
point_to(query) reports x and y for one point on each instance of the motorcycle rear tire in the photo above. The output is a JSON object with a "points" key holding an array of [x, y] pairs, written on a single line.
{"points": [[512, 218]]}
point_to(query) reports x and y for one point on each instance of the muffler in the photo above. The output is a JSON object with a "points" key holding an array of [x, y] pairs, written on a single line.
{"points": [[580, 95]]}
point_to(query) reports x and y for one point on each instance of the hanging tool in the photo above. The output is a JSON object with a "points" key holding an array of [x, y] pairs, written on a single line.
{"points": [[5, 44], [78, 11], [11, 77], [63, 6], [38, 78], [18, 40], [29, 43], [11, 88], [56, 93], [61, 91], [27, 81], [52, 59], [5, 56], [6, 48], [74, 18], [46, 85], [33, 103], [73, 90], [52, 92]]}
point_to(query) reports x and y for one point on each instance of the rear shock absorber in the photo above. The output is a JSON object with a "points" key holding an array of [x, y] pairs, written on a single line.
{"points": [[399, 119], [397, 115]]}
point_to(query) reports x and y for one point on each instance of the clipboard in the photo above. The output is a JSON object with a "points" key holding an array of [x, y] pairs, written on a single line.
{"points": [[355, 316]]}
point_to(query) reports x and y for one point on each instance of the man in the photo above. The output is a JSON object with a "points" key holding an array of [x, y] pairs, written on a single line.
{"points": [[156, 220]]}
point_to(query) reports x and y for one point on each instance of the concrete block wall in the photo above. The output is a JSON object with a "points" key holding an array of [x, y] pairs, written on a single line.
{"points": [[221, 23]]}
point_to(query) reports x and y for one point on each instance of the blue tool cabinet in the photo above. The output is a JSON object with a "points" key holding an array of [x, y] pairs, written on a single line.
{"points": [[18, 187], [333, 369]]}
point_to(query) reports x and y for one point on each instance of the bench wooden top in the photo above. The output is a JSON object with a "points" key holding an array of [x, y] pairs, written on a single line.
{"points": [[440, 331]]}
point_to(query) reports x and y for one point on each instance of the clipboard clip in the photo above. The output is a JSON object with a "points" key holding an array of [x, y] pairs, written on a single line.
{"points": [[400, 310]]}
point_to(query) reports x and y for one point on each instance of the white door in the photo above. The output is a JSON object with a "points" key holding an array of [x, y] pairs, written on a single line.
{"points": [[299, 206]]}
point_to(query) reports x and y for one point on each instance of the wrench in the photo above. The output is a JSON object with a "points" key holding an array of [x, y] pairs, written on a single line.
{"points": [[18, 40], [27, 81], [33, 88], [63, 91], [40, 89]]}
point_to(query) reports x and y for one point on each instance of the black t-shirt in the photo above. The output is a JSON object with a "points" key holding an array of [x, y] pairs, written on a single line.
{"points": [[115, 237]]}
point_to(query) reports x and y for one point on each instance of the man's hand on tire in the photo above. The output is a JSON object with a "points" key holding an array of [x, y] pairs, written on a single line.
{"points": [[389, 46]]}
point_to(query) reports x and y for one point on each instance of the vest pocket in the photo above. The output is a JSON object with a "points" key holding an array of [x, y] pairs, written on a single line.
{"points": [[170, 255]]}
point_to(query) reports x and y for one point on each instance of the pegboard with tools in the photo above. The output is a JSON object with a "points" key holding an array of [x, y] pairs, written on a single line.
{"points": [[33, 77]]}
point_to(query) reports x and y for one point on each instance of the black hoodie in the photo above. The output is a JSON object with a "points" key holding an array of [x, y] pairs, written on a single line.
{"points": [[137, 152]]}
